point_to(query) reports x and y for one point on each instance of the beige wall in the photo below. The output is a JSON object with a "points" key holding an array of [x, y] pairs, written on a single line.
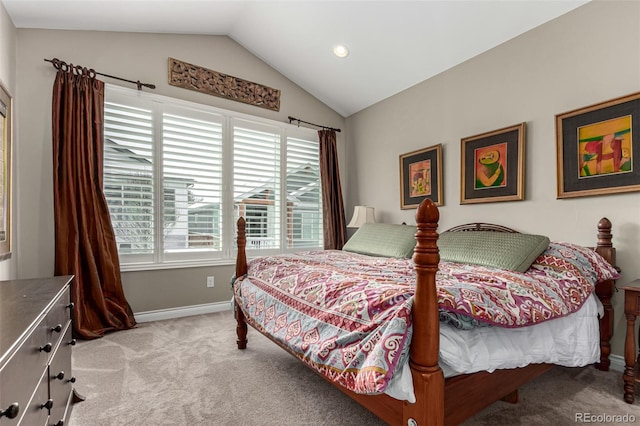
{"points": [[141, 57], [589, 55], [8, 81]]}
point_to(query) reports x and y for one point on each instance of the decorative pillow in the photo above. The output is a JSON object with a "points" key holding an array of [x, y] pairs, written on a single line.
{"points": [[383, 239], [503, 250]]}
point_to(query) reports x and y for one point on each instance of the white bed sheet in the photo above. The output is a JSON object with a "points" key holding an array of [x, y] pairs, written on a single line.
{"points": [[571, 341]]}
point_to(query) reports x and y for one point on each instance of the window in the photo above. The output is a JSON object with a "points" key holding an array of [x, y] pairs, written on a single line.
{"points": [[256, 183], [304, 198], [177, 175], [191, 180], [129, 176]]}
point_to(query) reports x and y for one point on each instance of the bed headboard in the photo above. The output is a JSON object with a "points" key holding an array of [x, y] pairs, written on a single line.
{"points": [[604, 289], [481, 226]]}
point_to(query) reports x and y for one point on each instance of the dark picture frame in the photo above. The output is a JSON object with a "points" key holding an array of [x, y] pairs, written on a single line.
{"points": [[421, 177], [595, 147], [6, 135], [492, 166]]}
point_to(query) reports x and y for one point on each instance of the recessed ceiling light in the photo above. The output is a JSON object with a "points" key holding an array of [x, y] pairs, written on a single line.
{"points": [[340, 51]]}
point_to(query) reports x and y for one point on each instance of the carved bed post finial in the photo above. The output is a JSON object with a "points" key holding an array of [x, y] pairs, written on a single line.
{"points": [[428, 378], [241, 270], [604, 233], [428, 214]]}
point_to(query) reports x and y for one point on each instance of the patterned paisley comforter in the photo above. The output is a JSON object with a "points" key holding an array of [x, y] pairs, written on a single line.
{"points": [[348, 316]]}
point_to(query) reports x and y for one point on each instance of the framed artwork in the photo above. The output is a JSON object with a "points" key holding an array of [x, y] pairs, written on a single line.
{"points": [[598, 148], [492, 166], [421, 177], [5, 173]]}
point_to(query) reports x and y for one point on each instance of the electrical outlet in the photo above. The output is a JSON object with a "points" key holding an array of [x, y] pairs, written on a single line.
{"points": [[211, 281]]}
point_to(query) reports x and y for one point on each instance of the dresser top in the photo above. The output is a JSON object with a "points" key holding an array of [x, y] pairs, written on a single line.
{"points": [[22, 303]]}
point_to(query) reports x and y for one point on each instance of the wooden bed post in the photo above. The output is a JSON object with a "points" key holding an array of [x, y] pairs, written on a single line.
{"points": [[604, 290], [428, 378], [241, 270]]}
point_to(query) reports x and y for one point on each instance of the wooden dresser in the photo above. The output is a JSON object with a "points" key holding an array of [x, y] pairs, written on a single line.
{"points": [[36, 385]]}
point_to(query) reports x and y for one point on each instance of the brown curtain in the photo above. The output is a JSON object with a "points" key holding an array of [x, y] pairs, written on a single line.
{"points": [[85, 244], [334, 225]]}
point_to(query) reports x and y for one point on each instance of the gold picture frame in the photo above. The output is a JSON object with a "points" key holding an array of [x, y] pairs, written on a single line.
{"points": [[492, 166], [598, 148], [421, 177], [6, 135]]}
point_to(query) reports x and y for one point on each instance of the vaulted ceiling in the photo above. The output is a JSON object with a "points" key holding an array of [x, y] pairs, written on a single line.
{"points": [[393, 45]]}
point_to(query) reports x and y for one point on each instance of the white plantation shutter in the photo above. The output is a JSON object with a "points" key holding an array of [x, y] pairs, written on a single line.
{"points": [[177, 175], [304, 198], [129, 176], [192, 181], [256, 182]]}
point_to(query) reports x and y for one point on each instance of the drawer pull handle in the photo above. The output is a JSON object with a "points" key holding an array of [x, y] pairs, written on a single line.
{"points": [[60, 375], [72, 379], [11, 412], [71, 305], [57, 328], [73, 342], [47, 404], [46, 348]]}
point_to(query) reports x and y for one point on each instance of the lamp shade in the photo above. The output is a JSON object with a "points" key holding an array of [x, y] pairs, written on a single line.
{"points": [[361, 215]]}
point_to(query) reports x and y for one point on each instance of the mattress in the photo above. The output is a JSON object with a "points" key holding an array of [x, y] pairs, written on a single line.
{"points": [[570, 341]]}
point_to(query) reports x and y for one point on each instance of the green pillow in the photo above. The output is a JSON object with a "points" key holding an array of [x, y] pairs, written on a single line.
{"points": [[511, 251], [383, 239]]}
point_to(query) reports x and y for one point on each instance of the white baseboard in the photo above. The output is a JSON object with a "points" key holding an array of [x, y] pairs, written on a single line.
{"points": [[617, 363], [185, 311]]}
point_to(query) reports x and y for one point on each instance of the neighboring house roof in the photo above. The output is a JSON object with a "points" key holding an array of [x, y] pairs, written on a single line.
{"points": [[307, 175], [112, 145], [130, 156]]}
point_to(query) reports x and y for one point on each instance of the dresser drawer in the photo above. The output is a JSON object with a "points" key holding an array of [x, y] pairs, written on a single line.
{"points": [[32, 408], [36, 412], [60, 377], [56, 319], [21, 374]]}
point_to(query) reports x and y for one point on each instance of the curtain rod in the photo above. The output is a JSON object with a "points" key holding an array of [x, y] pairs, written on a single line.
{"points": [[61, 65], [306, 122]]}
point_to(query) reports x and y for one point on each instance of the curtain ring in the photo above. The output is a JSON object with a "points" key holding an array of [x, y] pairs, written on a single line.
{"points": [[63, 66]]}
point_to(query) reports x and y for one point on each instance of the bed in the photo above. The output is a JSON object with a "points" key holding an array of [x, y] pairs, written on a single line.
{"points": [[406, 384]]}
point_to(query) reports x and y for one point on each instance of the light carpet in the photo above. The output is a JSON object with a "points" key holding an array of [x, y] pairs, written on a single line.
{"points": [[188, 371]]}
